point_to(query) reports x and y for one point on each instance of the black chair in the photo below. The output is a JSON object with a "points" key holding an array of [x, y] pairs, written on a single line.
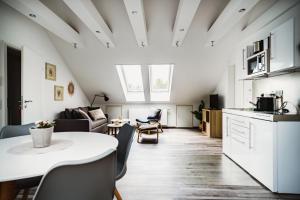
{"points": [[154, 118], [125, 138], [94, 180], [15, 131]]}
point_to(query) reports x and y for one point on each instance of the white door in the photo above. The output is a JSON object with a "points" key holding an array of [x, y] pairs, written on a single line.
{"points": [[184, 116], [32, 74], [282, 46]]}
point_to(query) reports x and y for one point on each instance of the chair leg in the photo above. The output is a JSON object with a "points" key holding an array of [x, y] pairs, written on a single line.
{"points": [[161, 127], [25, 194], [117, 194], [138, 138], [157, 135]]}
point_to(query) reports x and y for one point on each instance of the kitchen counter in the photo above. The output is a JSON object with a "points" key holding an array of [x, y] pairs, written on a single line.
{"points": [[264, 115]]}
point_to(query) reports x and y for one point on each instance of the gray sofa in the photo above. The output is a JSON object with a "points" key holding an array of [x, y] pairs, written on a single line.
{"points": [[77, 119]]}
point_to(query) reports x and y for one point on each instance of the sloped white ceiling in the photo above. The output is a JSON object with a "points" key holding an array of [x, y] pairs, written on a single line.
{"points": [[197, 68]]}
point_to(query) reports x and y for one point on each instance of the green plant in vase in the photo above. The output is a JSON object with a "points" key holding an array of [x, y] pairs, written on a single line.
{"points": [[198, 113]]}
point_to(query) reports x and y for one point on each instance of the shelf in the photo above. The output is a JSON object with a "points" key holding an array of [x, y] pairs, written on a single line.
{"points": [[257, 54]]}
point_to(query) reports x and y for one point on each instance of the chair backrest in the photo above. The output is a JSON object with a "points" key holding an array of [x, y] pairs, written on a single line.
{"points": [[15, 130], [92, 181], [125, 138], [156, 116]]}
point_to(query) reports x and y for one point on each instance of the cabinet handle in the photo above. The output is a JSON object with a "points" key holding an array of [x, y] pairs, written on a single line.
{"points": [[227, 126], [243, 59], [271, 47], [250, 137]]}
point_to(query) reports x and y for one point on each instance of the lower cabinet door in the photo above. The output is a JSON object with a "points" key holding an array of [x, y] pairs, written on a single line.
{"points": [[261, 152]]}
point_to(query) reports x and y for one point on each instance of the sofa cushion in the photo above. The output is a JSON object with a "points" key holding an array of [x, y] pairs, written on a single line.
{"points": [[97, 114], [84, 109], [76, 114], [68, 113], [99, 122], [85, 115]]}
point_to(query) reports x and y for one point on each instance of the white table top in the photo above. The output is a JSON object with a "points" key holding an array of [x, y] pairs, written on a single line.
{"points": [[18, 159]]}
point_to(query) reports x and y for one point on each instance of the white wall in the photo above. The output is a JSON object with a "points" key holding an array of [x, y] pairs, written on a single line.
{"points": [[122, 110], [225, 88], [19, 31]]}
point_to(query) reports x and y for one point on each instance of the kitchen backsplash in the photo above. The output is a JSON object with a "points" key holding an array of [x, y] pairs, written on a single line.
{"points": [[289, 83]]}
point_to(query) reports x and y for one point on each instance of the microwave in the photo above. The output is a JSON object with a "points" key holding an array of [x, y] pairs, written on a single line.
{"points": [[259, 64]]}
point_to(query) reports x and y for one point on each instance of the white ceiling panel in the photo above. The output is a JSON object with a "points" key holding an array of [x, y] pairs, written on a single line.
{"points": [[89, 15], [230, 16], [136, 13], [185, 14], [39, 13]]}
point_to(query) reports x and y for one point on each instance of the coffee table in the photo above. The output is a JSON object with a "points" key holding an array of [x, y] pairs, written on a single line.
{"points": [[113, 129]]}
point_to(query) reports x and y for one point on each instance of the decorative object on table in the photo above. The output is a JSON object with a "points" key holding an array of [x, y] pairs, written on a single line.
{"points": [[58, 93], [198, 113], [71, 88], [99, 95], [50, 72], [41, 134]]}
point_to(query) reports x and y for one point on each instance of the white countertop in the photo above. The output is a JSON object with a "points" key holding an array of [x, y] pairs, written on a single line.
{"points": [[20, 160], [269, 116]]}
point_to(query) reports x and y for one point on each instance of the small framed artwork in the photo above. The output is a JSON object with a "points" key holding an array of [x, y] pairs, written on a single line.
{"points": [[58, 93], [50, 72], [71, 88]]}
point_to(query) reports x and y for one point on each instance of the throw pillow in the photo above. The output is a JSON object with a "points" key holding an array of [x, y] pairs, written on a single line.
{"points": [[97, 114]]}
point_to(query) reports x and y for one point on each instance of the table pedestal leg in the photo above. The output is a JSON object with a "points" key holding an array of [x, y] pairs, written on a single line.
{"points": [[8, 190]]}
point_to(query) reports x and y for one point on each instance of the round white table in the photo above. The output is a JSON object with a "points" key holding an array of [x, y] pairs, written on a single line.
{"points": [[20, 160]]}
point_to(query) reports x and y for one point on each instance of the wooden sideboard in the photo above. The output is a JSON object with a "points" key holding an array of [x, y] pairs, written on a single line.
{"points": [[212, 123]]}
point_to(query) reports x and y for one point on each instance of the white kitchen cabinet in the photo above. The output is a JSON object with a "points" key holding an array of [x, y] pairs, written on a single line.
{"points": [[282, 46], [266, 149], [261, 152]]}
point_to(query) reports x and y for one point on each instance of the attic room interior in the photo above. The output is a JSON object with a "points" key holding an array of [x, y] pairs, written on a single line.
{"points": [[149, 99]]}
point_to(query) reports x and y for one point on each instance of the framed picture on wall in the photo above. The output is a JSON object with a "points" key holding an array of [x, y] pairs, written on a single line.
{"points": [[58, 93], [50, 72]]}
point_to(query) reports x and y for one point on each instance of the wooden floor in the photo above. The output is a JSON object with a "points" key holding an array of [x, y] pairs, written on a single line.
{"points": [[187, 165]]}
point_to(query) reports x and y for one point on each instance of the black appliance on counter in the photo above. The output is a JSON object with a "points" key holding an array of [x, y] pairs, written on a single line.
{"points": [[264, 103], [214, 101]]}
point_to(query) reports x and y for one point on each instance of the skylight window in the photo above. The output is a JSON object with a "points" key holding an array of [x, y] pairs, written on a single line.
{"points": [[160, 82], [131, 81]]}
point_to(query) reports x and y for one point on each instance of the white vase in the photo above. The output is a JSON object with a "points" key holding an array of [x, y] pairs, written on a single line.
{"points": [[41, 137]]}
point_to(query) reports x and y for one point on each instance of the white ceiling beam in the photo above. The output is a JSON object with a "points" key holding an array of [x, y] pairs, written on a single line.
{"points": [[185, 14], [279, 8], [39, 13], [135, 11], [230, 16], [88, 14]]}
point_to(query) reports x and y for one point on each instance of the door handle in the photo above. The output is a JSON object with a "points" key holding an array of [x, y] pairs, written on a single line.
{"points": [[27, 101]]}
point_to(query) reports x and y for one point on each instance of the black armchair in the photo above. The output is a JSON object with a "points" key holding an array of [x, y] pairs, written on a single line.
{"points": [[154, 118]]}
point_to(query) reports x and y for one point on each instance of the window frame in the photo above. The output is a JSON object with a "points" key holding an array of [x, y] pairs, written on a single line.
{"points": [[161, 92]]}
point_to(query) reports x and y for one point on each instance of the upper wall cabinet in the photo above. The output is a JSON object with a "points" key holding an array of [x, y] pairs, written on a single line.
{"points": [[283, 47]]}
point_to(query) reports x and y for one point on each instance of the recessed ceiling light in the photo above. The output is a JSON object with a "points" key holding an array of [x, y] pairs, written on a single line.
{"points": [[182, 29], [98, 32], [32, 15], [242, 10], [134, 12]]}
